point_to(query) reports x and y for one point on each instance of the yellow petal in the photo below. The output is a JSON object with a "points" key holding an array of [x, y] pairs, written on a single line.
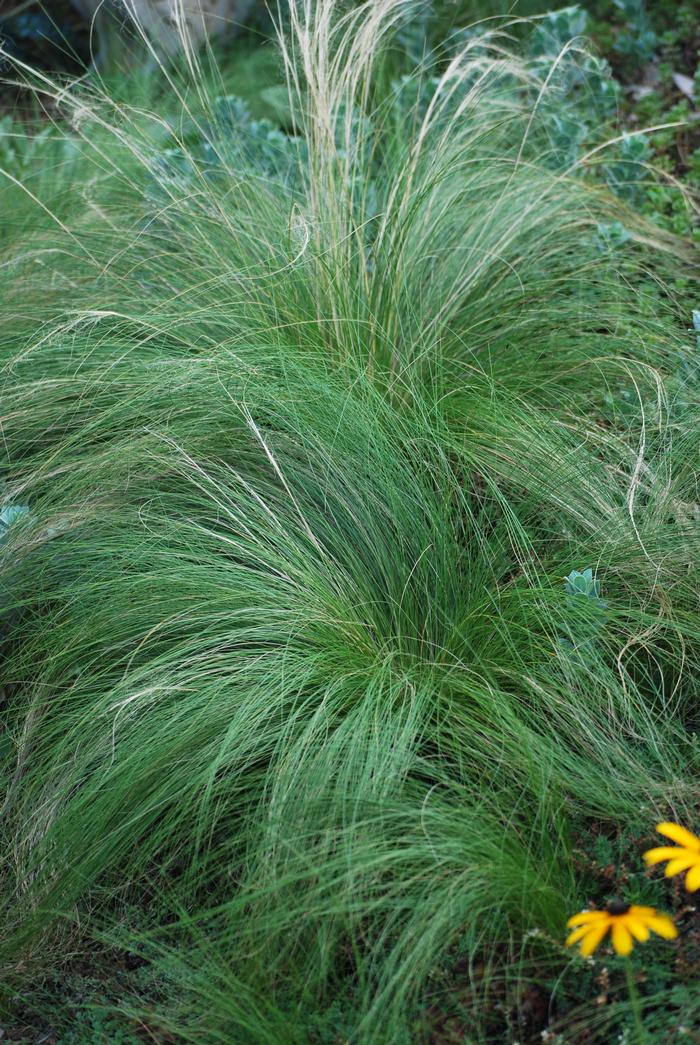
{"points": [[638, 911], [682, 864], [585, 917], [621, 938], [593, 937], [577, 934], [664, 852], [638, 929], [662, 925], [692, 879], [679, 834]]}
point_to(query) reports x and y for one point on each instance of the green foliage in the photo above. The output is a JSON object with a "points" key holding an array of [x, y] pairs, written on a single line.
{"points": [[650, 47], [638, 40], [611, 235], [582, 94], [587, 619], [583, 584], [626, 174], [306, 706], [9, 515]]}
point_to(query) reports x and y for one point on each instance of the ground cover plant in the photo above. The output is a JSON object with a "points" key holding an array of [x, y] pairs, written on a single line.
{"points": [[349, 545]]}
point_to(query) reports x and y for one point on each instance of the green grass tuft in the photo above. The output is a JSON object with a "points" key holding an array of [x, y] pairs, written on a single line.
{"points": [[313, 424]]}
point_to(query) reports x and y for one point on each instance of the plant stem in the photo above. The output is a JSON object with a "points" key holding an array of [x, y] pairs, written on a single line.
{"points": [[641, 1034]]}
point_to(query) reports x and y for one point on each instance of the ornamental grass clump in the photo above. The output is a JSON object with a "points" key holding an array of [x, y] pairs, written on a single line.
{"points": [[310, 426]]}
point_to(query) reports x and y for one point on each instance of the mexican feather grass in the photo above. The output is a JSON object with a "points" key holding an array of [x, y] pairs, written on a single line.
{"points": [[308, 448]]}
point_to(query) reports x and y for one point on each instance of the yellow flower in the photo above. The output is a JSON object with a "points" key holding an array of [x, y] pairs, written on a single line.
{"points": [[627, 922], [683, 857]]}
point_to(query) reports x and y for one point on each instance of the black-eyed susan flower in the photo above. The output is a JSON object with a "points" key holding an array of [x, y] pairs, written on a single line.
{"points": [[683, 857], [626, 923]]}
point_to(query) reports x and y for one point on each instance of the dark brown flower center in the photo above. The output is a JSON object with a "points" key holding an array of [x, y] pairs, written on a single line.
{"points": [[617, 907]]}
